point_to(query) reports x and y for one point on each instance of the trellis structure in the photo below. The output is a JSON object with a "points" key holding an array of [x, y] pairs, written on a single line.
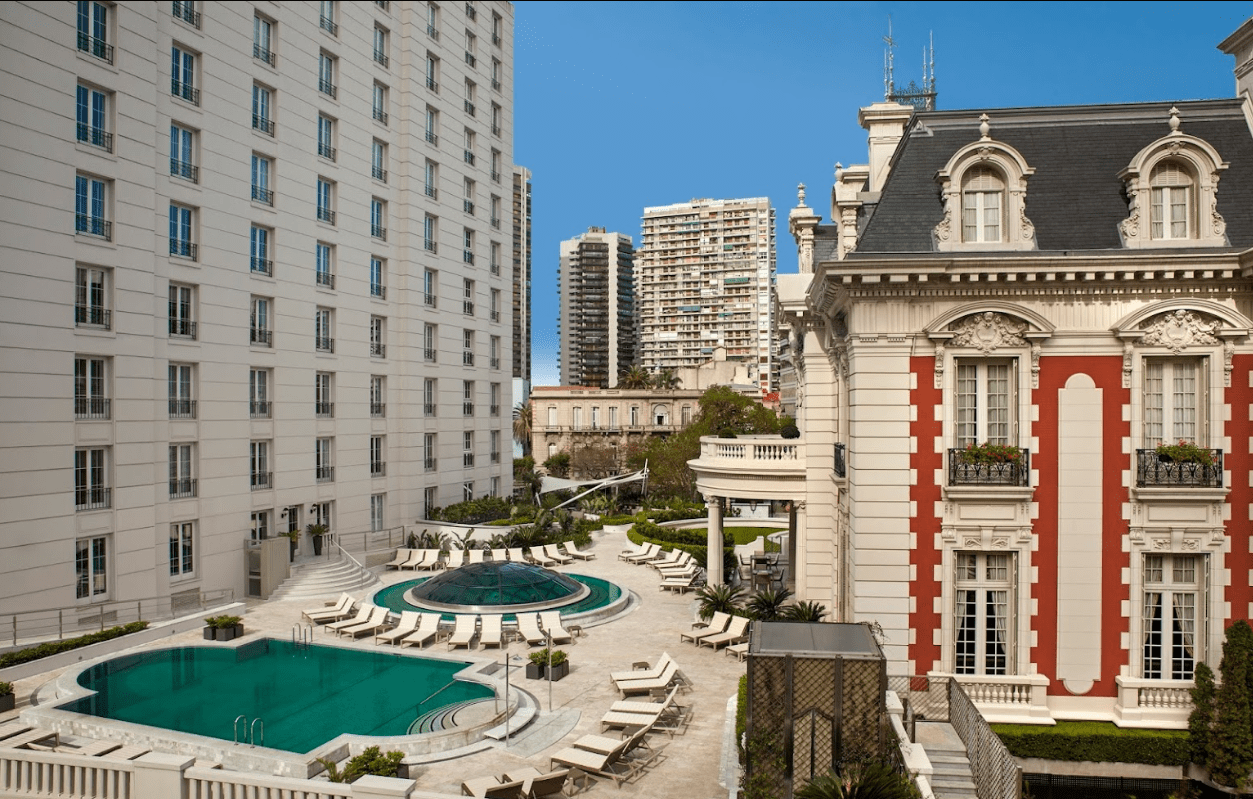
{"points": [[815, 700]]}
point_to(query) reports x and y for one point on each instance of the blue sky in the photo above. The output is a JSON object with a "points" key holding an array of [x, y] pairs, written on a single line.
{"points": [[618, 106]]}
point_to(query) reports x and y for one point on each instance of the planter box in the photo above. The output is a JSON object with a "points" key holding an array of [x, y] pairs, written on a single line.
{"points": [[209, 634], [225, 633], [8, 702], [535, 672], [561, 670]]}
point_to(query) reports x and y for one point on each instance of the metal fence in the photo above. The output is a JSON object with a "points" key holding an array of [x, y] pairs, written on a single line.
{"points": [[58, 623]]}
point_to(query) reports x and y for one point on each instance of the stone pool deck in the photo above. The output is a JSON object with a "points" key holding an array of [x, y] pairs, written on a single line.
{"points": [[694, 765]]}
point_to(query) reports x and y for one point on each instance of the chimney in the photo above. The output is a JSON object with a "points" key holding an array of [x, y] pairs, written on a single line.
{"points": [[1240, 45], [886, 123]]}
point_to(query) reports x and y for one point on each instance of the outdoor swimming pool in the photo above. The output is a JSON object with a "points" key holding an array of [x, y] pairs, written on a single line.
{"points": [[304, 695], [601, 594]]}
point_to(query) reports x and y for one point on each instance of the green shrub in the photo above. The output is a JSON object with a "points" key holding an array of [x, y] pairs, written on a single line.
{"points": [[57, 647], [371, 761], [741, 715], [6, 688], [690, 541], [1097, 741], [620, 519], [474, 511], [223, 622]]}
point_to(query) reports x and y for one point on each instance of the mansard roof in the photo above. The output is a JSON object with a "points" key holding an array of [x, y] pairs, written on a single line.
{"points": [[1075, 198]]}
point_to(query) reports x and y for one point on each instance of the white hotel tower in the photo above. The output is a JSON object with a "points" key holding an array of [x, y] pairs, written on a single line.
{"points": [[250, 278], [705, 278]]}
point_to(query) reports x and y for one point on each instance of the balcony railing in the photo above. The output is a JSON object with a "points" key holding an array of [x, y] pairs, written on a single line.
{"points": [[185, 170], [1160, 471], [431, 191], [96, 47], [93, 226], [379, 232], [325, 279], [326, 151], [378, 350], [495, 221], [469, 107], [182, 409], [185, 91], [262, 480], [428, 409], [495, 457], [468, 156], [263, 124], [495, 130], [431, 137], [183, 328], [93, 498], [262, 266], [186, 11], [259, 409], [467, 307], [428, 300], [324, 344], [495, 316], [495, 269], [433, 86], [326, 87], [93, 315], [378, 290], [181, 248], [467, 409], [494, 363], [326, 215], [183, 488], [495, 84], [495, 176], [378, 173], [97, 137], [380, 116], [263, 195], [467, 459], [433, 32], [467, 206], [91, 408], [381, 58], [467, 256], [378, 410], [470, 59], [264, 54], [325, 474], [324, 410], [429, 464], [378, 469], [262, 338], [467, 358], [495, 410], [841, 469], [327, 24], [962, 471], [430, 245]]}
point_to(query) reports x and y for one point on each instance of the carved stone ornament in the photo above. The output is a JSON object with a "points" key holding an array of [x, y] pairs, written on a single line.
{"points": [[1220, 224], [1035, 365], [1160, 544], [1178, 330], [1229, 354], [1128, 353], [943, 230], [989, 331], [939, 364], [1191, 545], [1027, 227]]}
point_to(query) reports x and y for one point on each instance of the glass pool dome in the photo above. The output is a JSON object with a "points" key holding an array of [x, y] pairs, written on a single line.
{"points": [[497, 587]]}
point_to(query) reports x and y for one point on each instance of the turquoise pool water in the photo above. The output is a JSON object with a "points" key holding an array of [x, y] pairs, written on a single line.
{"points": [[602, 593], [305, 695]]}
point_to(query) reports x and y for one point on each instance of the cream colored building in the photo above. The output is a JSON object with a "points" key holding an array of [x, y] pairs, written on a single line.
{"points": [[252, 270], [705, 278]]}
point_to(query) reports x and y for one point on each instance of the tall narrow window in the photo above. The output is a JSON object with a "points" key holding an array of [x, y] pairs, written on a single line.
{"points": [[432, 126], [430, 183], [262, 36], [324, 460], [91, 298], [326, 19], [983, 191], [261, 261], [183, 154], [379, 103], [467, 293], [183, 75], [1171, 613], [323, 399], [432, 73], [323, 335], [90, 395], [182, 548], [378, 396], [182, 481], [470, 97], [93, 30], [378, 337], [1171, 201], [378, 219], [467, 194], [89, 207], [378, 461], [430, 396], [262, 103], [91, 488], [1174, 401], [326, 137], [259, 393], [378, 161], [430, 342], [467, 343], [181, 232], [985, 403], [380, 46], [467, 397], [467, 241], [983, 622], [181, 387], [430, 233], [92, 117], [182, 307], [91, 567], [326, 75], [324, 265], [378, 503], [261, 168], [467, 448], [262, 477], [429, 284], [378, 277]]}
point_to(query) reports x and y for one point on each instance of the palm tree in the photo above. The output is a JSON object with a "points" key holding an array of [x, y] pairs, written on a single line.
{"points": [[723, 598], [804, 611], [636, 377], [522, 425], [667, 380], [858, 781], [767, 604]]}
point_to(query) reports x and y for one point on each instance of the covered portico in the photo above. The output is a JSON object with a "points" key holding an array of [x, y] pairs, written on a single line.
{"points": [[761, 467]]}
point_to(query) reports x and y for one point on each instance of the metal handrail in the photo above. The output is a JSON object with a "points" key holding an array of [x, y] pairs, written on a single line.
{"points": [[252, 732], [59, 623], [448, 685], [235, 726], [365, 573]]}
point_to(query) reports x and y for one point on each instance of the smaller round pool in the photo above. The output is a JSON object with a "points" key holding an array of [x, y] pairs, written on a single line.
{"points": [[598, 595]]}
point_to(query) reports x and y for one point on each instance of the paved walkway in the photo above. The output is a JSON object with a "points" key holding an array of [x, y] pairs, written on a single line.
{"points": [[692, 764]]}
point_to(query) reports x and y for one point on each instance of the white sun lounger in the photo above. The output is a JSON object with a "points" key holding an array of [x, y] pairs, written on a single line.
{"points": [[515, 555], [456, 559], [499, 556], [650, 552], [736, 632], [476, 556], [535, 784], [430, 560], [671, 558], [715, 626], [341, 608], [363, 613], [376, 622], [650, 673], [537, 556], [408, 624], [402, 557], [428, 630], [463, 631], [491, 632], [556, 554], [573, 551], [551, 619], [528, 628], [670, 676]]}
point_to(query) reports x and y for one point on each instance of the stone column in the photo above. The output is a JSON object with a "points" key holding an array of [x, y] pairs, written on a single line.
{"points": [[713, 566]]}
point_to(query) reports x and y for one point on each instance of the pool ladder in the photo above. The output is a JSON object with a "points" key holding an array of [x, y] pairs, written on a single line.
{"points": [[250, 731], [302, 635]]}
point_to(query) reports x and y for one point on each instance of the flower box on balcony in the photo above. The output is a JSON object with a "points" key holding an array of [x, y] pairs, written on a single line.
{"points": [[989, 464]]}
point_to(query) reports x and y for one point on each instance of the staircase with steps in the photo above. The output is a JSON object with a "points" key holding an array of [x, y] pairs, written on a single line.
{"points": [[951, 778], [322, 577]]}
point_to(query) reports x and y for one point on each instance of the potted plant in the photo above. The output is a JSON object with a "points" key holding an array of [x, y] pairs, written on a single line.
{"points": [[316, 531], [535, 670], [8, 699], [991, 453], [223, 628], [559, 665], [294, 537], [1184, 452]]}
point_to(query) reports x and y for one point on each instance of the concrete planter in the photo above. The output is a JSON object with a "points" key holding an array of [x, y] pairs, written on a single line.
{"points": [[8, 702]]}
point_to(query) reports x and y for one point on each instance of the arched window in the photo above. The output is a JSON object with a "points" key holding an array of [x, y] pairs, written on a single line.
{"points": [[1171, 201], [983, 205]]}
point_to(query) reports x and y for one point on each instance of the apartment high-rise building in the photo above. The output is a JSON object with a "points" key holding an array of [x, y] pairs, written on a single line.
{"points": [[521, 284], [705, 278], [262, 232], [596, 327]]}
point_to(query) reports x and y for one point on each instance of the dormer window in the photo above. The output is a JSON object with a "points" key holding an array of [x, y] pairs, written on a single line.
{"points": [[1171, 201], [983, 193]]}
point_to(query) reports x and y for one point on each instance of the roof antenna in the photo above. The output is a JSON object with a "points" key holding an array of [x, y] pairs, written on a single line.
{"points": [[889, 56]]}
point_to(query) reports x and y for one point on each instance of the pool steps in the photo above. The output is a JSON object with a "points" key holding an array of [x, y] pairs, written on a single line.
{"points": [[319, 578]]}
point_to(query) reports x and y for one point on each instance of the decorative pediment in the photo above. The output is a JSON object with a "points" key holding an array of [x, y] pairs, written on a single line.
{"points": [[988, 331], [986, 327], [1178, 330], [1179, 325], [1011, 169]]}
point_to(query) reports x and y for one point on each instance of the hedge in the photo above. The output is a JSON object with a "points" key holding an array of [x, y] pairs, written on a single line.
{"points": [[741, 716], [690, 541], [51, 648], [1096, 741]]}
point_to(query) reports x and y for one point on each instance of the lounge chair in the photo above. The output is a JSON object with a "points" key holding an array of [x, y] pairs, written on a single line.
{"points": [[650, 551], [736, 632], [94, 749], [430, 561], [493, 788], [31, 737], [667, 716], [528, 628], [573, 551], [615, 765], [551, 619], [363, 613], [670, 558], [499, 556], [670, 705], [402, 557], [636, 549], [536, 785], [604, 744], [428, 630], [649, 673], [476, 556], [515, 555], [556, 554], [376, 622], [738, 651], [332, 612], [463, 631], [680, 563], [680, 582], [716, 624], [408, 624], [537, 556], [490, 631], [133, 752], [670, 676], [456, 559]]}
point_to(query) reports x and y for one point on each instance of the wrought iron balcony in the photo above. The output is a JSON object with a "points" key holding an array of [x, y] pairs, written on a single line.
{"points": [[467, 206], [495, 410], [378, 290], [468, 156], [467, 256], [182, 248], [262, 338], [467, 459], [378, 410], [93, 226], [428, 354], [183, 328], [431, 191], [326, 87], [495, 176], [433, 86], [471, 13], [186, 11], [325, 474], [92, 315], [430, 245], [91, 408], [259, 409], [185, 170], [429, 464], [182, 409], [185, 91], [495, 268], [965, 471], [495, 84], [324, 410], [495, 221], [467, 358], [326, 215], [183, 488], [96, 47], [324, 344], [428, 300], [428, 409], [327, 24], [378, 173], [495, 457], [381, 58], [495, 316], [262, 266], [325, 279], [93, 498], [379, 232], [467, 307], [433, 32], [467, 409], [378, 350], [494, 363], [1162, 471], [262, 480], [326, 151], [495, 130], [263, 195], [264, 54], [263, 124], [432, 138], [841, 470], [378, 469], [97, 137], [470, 59]]}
